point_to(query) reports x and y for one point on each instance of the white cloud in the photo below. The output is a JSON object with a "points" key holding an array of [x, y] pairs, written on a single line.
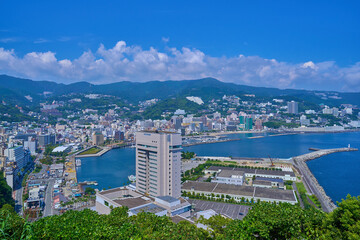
{"points": [[65, 39], [310, 64], [9, 39], [165, 39], [41, 40], [132, 63]]}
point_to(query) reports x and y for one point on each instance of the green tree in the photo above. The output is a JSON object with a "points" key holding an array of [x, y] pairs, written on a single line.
{"points": [[217, 223], [5, 192], [89, 191], [277, 221], [12, 226], [344, 221]]}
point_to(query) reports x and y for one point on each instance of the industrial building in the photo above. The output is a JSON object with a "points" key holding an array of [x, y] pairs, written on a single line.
{"points": [[250, 172], [235, 177], [268, 182], [237, 192]]}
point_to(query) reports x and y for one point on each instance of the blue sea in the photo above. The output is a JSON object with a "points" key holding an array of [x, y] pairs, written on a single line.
{"points": [[339, 173]]}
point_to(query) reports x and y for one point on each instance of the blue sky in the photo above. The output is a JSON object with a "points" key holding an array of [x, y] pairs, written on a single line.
{"points": [[286, 44]]}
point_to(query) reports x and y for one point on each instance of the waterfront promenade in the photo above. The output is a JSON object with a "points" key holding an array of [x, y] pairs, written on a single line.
{"points": [[103, 151], [208, 142], [299, 163], [309, 179]]}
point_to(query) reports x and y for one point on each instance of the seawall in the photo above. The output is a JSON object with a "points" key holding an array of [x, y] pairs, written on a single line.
{"points": [[309, 179], [103, 151]]}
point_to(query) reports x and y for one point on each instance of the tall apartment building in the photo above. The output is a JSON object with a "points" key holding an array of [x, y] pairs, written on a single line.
{"points": [[17, 154], [31, 145], [46, 139], [158, 163], [98, 138], [293, 107]]}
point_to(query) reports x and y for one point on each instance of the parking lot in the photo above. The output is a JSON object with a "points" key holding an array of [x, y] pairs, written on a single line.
{"points": [[190, 164], [233, 211]]}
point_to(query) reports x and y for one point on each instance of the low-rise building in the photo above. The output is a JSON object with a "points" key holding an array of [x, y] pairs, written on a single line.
{"points": [[137, 202], [62, 149], [268, 182], [250, 172], [57, 169], [235, 177], [237, 192]]}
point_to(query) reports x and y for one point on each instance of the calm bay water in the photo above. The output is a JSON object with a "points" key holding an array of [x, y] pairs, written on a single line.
{"points": [[109, 170], [338, 173]]}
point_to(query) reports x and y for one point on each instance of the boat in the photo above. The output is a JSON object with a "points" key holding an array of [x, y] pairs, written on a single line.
{"points": [[78, 162], [89, 183], [132, 178]]}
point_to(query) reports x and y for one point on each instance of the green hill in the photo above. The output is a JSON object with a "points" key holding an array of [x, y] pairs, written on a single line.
{"points": [[206, 88]]}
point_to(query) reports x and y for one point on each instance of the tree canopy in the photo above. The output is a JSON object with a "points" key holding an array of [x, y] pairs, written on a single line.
{"points": [[5, 192], [264, 221]]}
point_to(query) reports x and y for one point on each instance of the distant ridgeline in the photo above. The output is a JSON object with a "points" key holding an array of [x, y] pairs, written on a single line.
{"points": [[21, 90]]}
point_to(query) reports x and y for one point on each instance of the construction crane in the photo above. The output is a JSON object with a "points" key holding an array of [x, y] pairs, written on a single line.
{"points": [[272, 163]]}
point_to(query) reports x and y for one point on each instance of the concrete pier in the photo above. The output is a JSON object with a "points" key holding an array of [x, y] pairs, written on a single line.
{"points": [[309, 179], [103, 151]]}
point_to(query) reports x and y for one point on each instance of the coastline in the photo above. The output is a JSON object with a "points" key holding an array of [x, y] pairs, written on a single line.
{"points": [[277, 133], [218, 141], [103, 151], [233, 132], [299, 164], [310, 181]]}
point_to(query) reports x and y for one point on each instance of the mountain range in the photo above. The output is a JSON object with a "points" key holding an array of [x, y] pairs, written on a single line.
{"points": [[14, 90]]}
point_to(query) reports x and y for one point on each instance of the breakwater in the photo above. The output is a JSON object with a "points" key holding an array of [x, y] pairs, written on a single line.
{"points": [[103, 151], [309, 179]]}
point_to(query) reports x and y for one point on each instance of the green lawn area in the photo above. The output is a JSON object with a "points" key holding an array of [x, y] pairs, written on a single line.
{"points": [[92, 150], [300, 186], [288, 185], [315, 200], [302, 191]]}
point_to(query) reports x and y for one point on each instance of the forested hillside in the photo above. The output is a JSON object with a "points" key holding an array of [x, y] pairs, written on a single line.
{"points": [[206, 88]]}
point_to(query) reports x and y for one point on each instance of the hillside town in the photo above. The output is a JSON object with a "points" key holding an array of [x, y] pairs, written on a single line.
{"points": [[38, 157]]}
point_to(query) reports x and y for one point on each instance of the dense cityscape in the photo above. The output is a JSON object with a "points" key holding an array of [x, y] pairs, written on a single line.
{"points": [[214, 120], [39, 158]]}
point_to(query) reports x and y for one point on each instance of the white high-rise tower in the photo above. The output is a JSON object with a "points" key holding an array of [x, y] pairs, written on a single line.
{"points": [[158, 163]]}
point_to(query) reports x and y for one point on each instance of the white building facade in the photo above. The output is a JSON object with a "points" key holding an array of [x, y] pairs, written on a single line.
{"points": [[158, 163]]}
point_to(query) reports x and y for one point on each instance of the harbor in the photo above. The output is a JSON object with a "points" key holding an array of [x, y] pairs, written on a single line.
{"points": [[310, 181], [113, 168]]}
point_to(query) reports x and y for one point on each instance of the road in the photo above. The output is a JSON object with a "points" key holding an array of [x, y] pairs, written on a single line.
{"points": [[299, 198], [48, 198], [309, 179], [18, 189], [18, 199]]}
